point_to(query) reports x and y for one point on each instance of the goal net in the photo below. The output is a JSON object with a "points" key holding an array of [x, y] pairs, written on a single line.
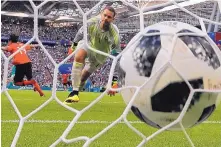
{"points": [[146, 13]]}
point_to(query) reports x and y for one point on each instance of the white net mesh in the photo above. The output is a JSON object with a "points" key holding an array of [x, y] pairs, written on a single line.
{"points": [[79, 113]]}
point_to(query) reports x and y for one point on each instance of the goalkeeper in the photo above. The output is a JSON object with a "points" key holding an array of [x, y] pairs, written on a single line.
{"points": [[104, 36]]}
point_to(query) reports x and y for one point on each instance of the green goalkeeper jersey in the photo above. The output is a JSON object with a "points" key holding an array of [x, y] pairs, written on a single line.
{"points": [[99, 39]]}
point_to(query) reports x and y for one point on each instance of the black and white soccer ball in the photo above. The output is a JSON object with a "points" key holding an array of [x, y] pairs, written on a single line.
{"points": [[166, 64]]}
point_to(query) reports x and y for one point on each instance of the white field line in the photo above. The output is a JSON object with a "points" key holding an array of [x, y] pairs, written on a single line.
{"points": [[79, 101], [86, 121]]}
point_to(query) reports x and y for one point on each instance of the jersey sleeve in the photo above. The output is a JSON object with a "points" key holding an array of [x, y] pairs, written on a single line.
{"points": [[28, 47], [116, 44], [80, 34], [9, 48]]}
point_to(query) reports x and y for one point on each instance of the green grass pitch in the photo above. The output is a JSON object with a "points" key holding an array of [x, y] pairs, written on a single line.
{"points": [[47, 125]]}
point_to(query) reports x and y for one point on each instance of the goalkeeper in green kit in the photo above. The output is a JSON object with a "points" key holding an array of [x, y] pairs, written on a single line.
{"points": [[104, 36]]}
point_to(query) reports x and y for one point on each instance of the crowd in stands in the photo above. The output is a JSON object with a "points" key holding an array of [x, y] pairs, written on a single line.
{"points": [[43, 68], [25, 29], [125, 38]]}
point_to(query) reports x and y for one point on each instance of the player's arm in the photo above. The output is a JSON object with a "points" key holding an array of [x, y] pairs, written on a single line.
{"points": [[4, 48], [115, 50], [34, 45], [30, 46], [116, 46], [79, 36]]}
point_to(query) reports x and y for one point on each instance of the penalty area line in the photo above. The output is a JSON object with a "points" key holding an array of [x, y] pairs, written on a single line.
{"points": [[102, 102], [87, 121]]}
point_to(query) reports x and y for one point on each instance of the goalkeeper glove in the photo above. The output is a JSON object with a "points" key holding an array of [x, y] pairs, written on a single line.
{"points": [[114, 52], [112, 93], [73, 46]]}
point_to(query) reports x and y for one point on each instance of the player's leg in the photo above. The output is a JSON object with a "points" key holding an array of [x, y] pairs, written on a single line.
{"points": [[20, 72], [19, 75], [65, 81], [77, 68], [10, 81], [68, 85], [65, 86], [69, 82], [84, 76], [28, 74], [89, 68]]}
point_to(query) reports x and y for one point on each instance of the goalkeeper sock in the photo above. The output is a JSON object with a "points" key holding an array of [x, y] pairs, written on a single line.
{"points": [[76, 75], [85, 75]]}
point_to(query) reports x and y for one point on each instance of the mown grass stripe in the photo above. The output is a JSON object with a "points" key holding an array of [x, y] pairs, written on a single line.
{"points": [[87, 121]]}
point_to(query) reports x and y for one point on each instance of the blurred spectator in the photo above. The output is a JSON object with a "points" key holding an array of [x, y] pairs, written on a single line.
{"points": [[43, 68]]}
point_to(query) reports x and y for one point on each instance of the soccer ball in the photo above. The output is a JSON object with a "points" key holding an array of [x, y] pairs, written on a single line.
{"points": [[168, 70]]}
